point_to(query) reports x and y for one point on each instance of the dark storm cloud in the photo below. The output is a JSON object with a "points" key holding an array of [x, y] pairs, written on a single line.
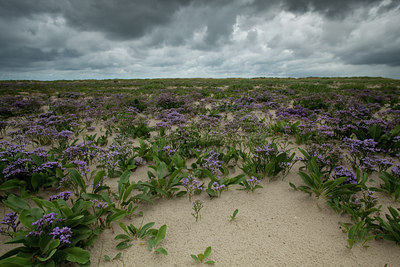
{"points": [[332, 9], [194, 38], [23, 57]]}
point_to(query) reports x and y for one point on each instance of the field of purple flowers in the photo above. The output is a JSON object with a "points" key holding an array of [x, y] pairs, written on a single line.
{"points": [[195, 136]]}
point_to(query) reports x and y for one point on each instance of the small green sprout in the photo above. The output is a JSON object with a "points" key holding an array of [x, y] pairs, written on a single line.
{"points": [[200, 258]]}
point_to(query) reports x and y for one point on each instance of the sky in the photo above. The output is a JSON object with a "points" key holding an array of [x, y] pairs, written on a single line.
{"points": [[103, 39]]}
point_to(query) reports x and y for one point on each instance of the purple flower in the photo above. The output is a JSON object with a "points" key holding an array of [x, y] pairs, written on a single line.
{"points": [[396, 170], [99, 203], [65, 135], [49, 165], [342, 171], [212, 163], [64, 234], [63, 195], [82, 167], [47, 219], [10, 220]]}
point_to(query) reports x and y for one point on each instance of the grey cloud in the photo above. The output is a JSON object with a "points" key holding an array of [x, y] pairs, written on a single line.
{"points": [[183, 38], [24, 56]]}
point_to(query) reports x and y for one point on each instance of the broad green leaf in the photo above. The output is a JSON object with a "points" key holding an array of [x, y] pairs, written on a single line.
{"points": [[161, 234], [76, 177], [210, 262], [122, 236], [207, 252], [123, 245], [77, 254], [11, 184], [195, 258], [48, 257], [128, 191], [124, 179], [16, 204], [97, 178], [143, 230], [48, 243]]}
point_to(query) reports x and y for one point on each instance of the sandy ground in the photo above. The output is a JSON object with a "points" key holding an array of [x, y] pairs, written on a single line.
{"points": [[275, 226]]}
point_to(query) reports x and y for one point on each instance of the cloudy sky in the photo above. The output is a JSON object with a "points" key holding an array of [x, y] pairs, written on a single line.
{"points": [[104, 39]]}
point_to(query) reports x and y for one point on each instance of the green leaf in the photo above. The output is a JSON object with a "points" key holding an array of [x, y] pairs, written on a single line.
{"points": [[11, 184], [123, 245], [117, 256], [36, 159], [210, 262], [162, 251], [107, 258], [195, 258], [76, 254], [161, 169], [161, 234], [124, 179], [201, 257], [48, 257], [128, 191], [16, 204], [26, 218], [151, 243], [122, 236], [351, 243], [16, 262], [47, 244], [116, 216], [207, 252], [143, 230], [98, 177], [76, 177], [49, 263]]}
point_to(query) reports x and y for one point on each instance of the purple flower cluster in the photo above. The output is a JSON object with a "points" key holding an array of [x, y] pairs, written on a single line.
{"points": [[207, 122], [217, 187], [80, 151], [357, 146], [49, 165], [18, 167], [82, 167], [65, 135], [62, 195], [169, 150], [10, 219], [263, 153], [396, 171], [108, 158], [64, 234], [342, 171], [212, 162], [43, 223], [191, 183], [375, 163], [100, 204], [296, 112], [163, 125], [252, 182]]}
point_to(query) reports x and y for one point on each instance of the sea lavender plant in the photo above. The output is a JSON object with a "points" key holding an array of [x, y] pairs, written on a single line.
{"points": [[197, 205], [192, 186], [10, 220], [212, 162]]}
